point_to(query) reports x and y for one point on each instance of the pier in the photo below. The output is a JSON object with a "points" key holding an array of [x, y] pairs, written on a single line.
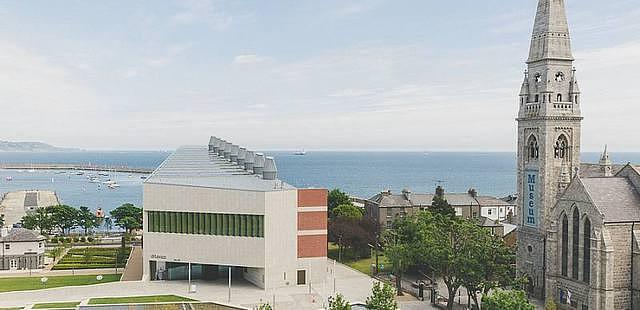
{"points": [[74, 167]]}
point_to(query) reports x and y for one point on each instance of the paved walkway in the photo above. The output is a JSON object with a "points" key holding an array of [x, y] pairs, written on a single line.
{"points": [[133, 269]]}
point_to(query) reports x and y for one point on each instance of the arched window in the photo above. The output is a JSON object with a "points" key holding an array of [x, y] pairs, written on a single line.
{"points": [[561, 148], [575, 244], [565, 245], [586, 258], [559, 98], [537, 98], [533, 148]]}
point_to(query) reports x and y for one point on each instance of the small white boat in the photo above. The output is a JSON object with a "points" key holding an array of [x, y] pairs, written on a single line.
{"points": [[113, 185], [300, 153], [9, 178], [94, 180], [109, 182]]}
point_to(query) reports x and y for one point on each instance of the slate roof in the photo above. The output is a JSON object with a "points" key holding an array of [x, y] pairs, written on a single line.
{"points": [[593, 170], [386, 200], [615, 197], [21, 235]]}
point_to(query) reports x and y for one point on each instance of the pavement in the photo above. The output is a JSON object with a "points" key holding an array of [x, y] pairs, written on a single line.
{"points": [[355, 286], [133, 269]]}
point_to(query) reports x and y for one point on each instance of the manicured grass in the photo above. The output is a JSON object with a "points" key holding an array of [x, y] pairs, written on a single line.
{"points": [[16, 308], [33, 283], [137, 299], [362, 264], [93, 258], [57, 305]]}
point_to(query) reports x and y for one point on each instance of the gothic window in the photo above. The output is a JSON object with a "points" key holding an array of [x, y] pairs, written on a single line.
{"points": [[559, 98], [533, 148], [575, 248], [561, 148], [564, 254], [537, 98], [586, 248]]}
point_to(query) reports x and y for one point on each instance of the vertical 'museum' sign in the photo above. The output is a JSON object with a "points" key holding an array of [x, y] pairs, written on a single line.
{"points": [[531, 198]]}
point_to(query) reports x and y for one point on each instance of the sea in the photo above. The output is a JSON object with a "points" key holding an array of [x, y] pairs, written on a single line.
{"points": [[361, 174]]}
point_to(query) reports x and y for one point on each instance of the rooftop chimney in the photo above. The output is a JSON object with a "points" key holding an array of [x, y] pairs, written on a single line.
{"points": [[249, 159], [242, 153], [234, 153], [258, 164], [270, 172], [407, 194]]}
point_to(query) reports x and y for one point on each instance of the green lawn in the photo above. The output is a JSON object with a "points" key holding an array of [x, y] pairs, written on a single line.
{"points": [[57, 305], [93, 258], [137, 299], [33, 283], [361, 264]]}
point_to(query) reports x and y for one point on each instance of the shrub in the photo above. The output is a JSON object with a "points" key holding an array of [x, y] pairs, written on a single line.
{"points": [[83, 239], [90, 239], [67, 240], [75, 239], [53, 240]]}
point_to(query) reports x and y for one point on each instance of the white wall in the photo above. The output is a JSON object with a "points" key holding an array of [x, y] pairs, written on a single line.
{"points": [[19, 248], [281, 237]]}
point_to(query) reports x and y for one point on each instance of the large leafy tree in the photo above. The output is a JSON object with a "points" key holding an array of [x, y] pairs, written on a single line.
{"points": [[353, 233], [86, 219], [64, 218], [347, 210], [337, 198], [506, 300], [440, 204], [382, 297], [128, 217], [459, 252], [41, 220]]}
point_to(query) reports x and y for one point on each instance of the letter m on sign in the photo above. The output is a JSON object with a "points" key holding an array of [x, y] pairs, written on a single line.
{"points": [[531, 179]]}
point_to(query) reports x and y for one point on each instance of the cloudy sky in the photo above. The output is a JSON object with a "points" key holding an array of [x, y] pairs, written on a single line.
{"points": [[292, 74]]}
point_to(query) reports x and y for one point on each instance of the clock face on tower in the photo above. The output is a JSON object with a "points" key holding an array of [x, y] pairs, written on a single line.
{"points": [[559, 77], [538, 78]]}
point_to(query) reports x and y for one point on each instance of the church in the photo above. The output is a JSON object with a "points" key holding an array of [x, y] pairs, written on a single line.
{"points": [[579, 224]]}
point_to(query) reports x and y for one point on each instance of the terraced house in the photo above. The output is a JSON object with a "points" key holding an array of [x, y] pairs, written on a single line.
{"points": [[219, 209]]}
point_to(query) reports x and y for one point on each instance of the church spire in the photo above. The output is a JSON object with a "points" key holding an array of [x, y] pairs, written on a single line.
{"points": [[605, 163], [550, 39]]}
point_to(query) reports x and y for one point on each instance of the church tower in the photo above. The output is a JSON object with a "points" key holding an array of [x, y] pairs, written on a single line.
{"points": [[548, 136]]}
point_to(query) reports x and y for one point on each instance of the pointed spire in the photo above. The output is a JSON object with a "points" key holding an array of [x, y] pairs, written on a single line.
{"points": [[575, 89], [605, 163], [524, 91], [550, 38]]}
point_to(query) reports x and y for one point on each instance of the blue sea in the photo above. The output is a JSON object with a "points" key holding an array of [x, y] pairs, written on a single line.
{"points": [[360, 174]]}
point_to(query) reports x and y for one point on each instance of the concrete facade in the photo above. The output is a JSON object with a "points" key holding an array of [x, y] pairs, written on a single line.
{"points": [[292, 241]]}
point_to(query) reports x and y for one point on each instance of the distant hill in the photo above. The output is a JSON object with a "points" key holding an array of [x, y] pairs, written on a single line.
{"points": [[8, 146]]}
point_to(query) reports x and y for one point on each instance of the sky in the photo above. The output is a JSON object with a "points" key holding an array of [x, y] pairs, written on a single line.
{"points": [[420, 75]]}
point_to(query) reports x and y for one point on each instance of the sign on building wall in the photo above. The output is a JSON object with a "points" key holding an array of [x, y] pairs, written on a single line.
{"points": [[531, 198]]}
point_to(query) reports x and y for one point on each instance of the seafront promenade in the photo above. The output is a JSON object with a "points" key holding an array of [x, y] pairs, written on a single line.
{"points": [[73, 167]]}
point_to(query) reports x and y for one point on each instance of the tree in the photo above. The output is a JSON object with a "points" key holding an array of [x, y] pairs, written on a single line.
{"points": [[128, 217], [506, 300], [440, 204], [265, 307], [41, 220], [347, 210], [108, 223], [338, 303], [64, 217], [337, 197], [86, 219], [1, 220], [352, 233], [382, 297]]}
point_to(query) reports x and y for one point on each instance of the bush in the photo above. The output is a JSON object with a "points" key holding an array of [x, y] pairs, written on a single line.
{"points": [[83, 239], [67, 240], [75, 239], [53, 240], [90, 239]]}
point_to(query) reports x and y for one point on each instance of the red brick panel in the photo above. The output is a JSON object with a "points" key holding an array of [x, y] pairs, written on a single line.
{"points": [[312, 220], [312, 246], [312, 197]]}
